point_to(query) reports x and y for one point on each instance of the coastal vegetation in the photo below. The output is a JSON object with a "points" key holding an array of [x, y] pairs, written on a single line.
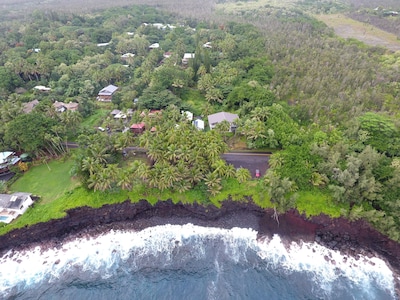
{"points": [[327, 107]]}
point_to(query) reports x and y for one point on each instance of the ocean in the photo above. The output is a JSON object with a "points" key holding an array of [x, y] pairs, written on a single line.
{"points": [[191, 262]]}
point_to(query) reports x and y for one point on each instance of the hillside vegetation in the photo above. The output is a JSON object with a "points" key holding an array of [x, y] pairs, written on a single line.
{"points": [[326, 106]]}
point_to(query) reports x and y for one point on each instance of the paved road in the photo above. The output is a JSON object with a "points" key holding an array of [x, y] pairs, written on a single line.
{"points": [[250, 161]]}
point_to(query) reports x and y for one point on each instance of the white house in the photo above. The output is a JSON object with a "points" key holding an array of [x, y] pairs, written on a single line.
{"points": [[199, 124], [188, 115], [7, 159], [14, 205], [42, 88], [154, 46], [127, 55], [187, 57], [103, 44]]}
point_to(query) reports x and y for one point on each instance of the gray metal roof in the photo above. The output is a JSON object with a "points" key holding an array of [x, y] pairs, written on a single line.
{"points": [[12, 201], [221, 116], [108, 90]]}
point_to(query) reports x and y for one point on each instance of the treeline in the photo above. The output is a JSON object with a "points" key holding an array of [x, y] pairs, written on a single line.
{"points": [[327, 106]]}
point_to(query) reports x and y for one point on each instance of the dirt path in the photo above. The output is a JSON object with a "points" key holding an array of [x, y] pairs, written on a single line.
{"points": [[370, 35]]}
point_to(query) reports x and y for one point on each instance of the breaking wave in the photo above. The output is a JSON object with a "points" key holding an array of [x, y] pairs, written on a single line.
{"points": [[180, 261]]}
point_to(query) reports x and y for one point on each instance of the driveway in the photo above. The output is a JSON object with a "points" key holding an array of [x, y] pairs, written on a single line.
{"points": [[250, 161]]}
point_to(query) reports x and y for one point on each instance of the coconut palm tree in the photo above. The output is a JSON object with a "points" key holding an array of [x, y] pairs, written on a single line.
{"points": [[242, 175], [213, 183], [125, 179]]}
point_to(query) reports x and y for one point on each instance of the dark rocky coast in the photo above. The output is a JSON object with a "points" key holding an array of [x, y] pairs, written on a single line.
{"points": [[338, 234]]}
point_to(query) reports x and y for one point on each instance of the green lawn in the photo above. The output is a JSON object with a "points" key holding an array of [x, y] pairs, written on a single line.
{"points": [[96, 119], [49, 181]]}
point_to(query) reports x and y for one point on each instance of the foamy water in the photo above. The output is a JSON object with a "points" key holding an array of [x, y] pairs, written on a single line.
{"points": [[195, 251]]}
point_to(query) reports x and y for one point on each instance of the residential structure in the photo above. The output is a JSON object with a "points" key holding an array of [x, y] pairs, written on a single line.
{"points": [[61, 106], [217, 118], [42, 88], [29, 106], [105, 95], [14, 205], [187, 57], [198, 124], [138, 128], [127, 55], [154, 46], [7, 159], [188, 115]]}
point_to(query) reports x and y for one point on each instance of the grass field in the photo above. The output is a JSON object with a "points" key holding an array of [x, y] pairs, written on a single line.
{"points": [[366, 33], [49, 181], [313, 203], [95, 119]]}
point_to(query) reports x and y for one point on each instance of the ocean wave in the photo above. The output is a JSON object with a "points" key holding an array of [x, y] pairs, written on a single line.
{"points": [[194, 251]]}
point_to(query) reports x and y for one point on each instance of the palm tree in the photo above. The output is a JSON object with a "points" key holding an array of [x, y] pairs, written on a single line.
{"points": [[125, 179], [142, 170], [182, 186], [213, 183], [99, 152], [230, 171], [169, 175], [242, 175], [219, 167], [90, 164]]}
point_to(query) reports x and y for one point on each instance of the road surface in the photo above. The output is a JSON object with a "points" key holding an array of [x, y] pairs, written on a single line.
{"points": [[250, 161]]}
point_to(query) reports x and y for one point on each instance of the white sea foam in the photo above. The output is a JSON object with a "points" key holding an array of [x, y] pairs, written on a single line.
{"points": [[103, 255]]}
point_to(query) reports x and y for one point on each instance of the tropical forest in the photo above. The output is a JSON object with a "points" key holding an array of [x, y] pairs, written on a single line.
{"points": [[322, 105]]}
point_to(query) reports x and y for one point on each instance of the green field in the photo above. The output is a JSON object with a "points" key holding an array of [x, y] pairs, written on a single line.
{"points": [[49, 181]]}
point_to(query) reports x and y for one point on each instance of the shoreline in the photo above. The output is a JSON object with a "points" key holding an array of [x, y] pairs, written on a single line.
{"points": [[351, 238]]}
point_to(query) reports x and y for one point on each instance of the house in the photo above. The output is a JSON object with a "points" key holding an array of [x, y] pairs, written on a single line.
{"points": [[169, 26], [138, 128], [11, 206], [103, 44], [115, 112], [127, 55], [61, 106], [105, 95], [167, 54], [29, 106], [158, 25], [207, 45], [198, 124], [187, 57], [188, 115], [154, 46], [42, 88], [217, 118], [7, 159], [120, 115]]}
